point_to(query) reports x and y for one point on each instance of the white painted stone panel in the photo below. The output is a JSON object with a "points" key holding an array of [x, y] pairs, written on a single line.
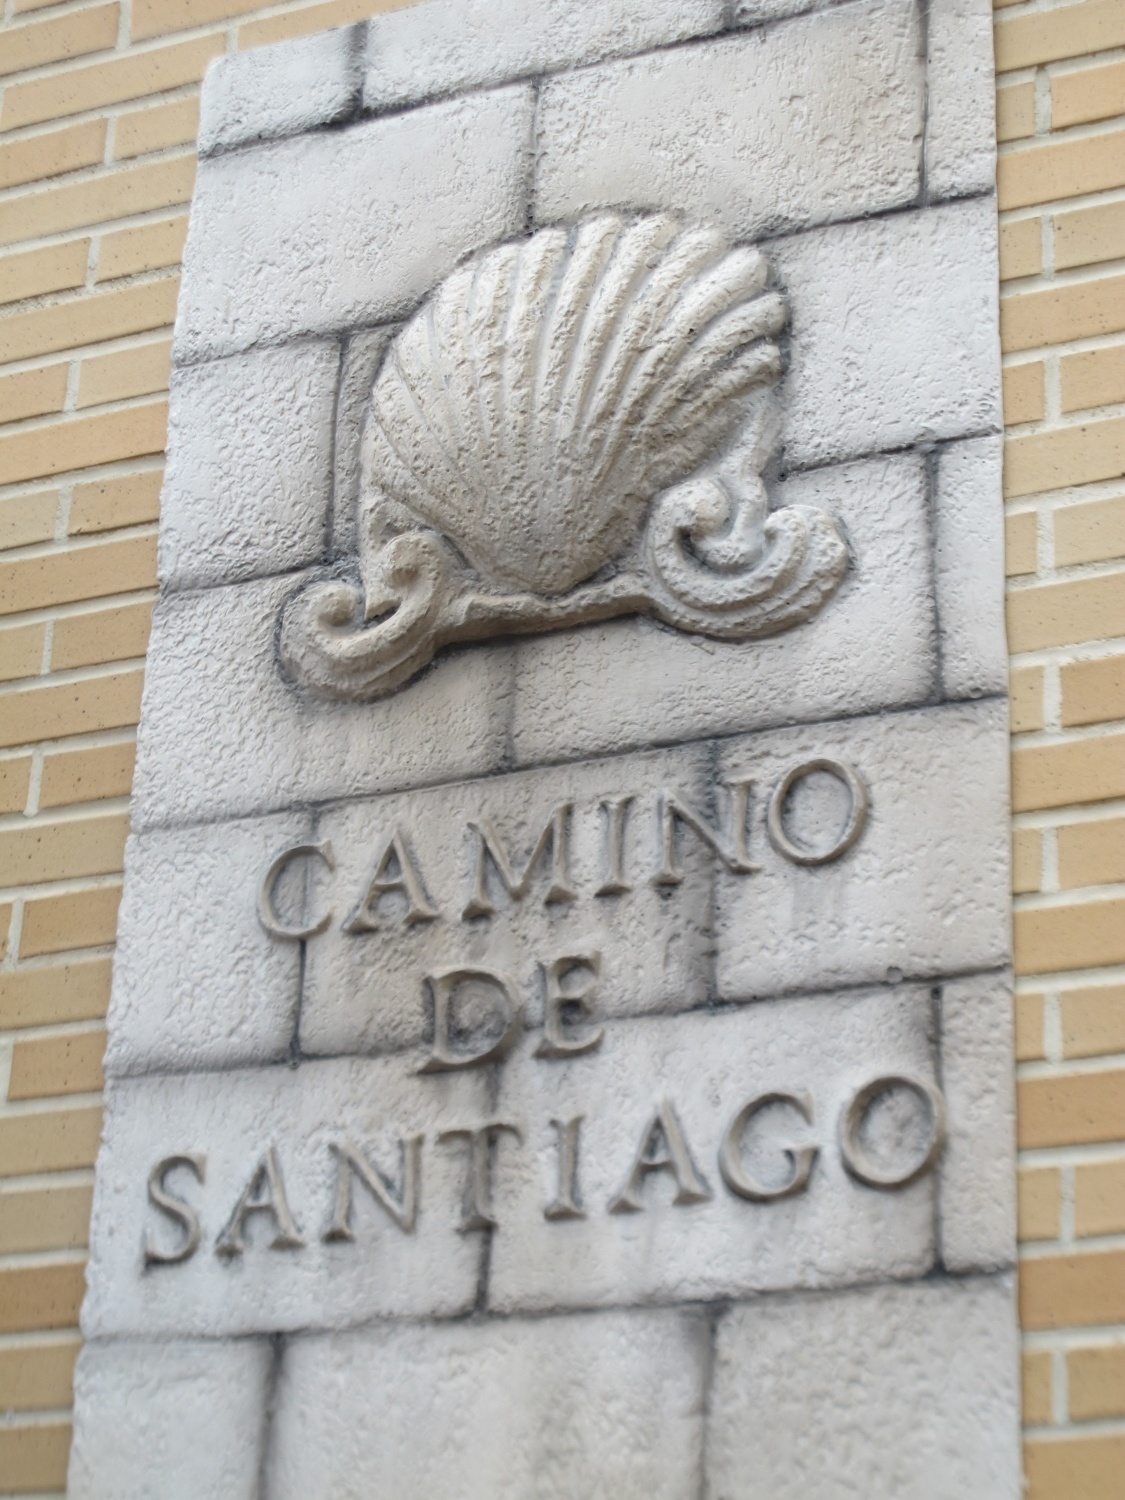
{"points": [[231, 1119], [969, 568], [362, 355], [924, 890], [249, 475], [364, 991], [709, 1065], [600, 1408], [332, 230], [633, 683], [886, 1393], [449, 45], [817, 119], [761, 12], [169, 1421], [960, 102], [222, 735], [268, 92], [197, 982]]}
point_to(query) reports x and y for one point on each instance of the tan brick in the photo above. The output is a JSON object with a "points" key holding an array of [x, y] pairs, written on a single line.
{"points": [[302, 22], [1082, 94], [159, 17], [39, 1377], [1062, 169], [1075, 1291], [32, 273], [125, 373], [35, 1457], [1071, 310], [1074, 1468], [64, 848], [82, 570], [1024, 397], [1026, 699], [1093, 1020], [49, 1067], [1096, 377], [75, 919], [21, 651], [1085, 236], [124, 500], [89, 319], [1027, 860], [1094, 532], [52, 153], [38, 43], [1039, 1197], [41, 1297], [1065, 614], [156, 128], [1071, 1109], [1021, 249], [113, 194], [1093, 692], [1015, 111], [15, 779], [1049, 35], [101, 635], [1084, 935], [57, 1140], [54, 993], [92, 775], [1036, 1385], [56, 95], [28, 518], [1021, 543], [32, 393], [1099, 1208], [1091, 853], [148, 247], [83, 442]]}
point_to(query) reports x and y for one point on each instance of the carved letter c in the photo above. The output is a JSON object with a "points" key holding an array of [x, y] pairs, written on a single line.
{"points": [[267, 912]]}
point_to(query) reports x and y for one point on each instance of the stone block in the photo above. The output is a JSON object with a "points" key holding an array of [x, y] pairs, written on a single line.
{"points": [[592, 1406], [893, 332], [169, 1421], [230, 1121], [450, 45], [197, 982], [362, 355], [339, 228], [815, 120], [363, 990], [633, 683], [712, 1243], [924, 889], [269, 92], [249, 475], [960, 100], [889, 1393], [978, 1179], [222, 735], [761, 12], [969, 568]]}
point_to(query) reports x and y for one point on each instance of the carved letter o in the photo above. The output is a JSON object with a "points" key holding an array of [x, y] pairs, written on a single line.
{"points": [[858, 1163], [857, 813]]}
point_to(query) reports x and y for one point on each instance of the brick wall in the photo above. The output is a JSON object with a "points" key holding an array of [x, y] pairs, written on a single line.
{"points": [[98, 112]]}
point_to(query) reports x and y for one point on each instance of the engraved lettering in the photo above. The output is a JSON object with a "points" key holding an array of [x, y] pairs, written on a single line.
{"points": [[858, 1160], [476, 1204], [490, 847], [264, 1194], [615, 813], [177, 1209], [267, 911], [732, 1168], [663, 1148], [853, 827], [559, 1003], [401, 1205], [565, 1204], [447, 1055], [732, 850], [395, 854]]}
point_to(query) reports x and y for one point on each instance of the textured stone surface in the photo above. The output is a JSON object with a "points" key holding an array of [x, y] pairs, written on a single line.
{"points": [[960, 105], [969, 568], [924, 890], [249, 474], [169, 1421], [598, 1407], [888, 1393], [336, 229], [796, 125], [363, 352], [269, 92], [197, 982], [449, 45]]}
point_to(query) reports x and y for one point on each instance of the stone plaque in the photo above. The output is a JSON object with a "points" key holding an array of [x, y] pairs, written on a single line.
{"points": [[560, 1030]]}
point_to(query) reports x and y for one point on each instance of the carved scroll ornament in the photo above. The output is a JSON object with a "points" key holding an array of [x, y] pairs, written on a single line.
{"points": [[539, 452]]}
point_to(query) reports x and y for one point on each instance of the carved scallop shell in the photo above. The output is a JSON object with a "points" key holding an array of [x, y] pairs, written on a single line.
{"points": [[551, 386]]}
